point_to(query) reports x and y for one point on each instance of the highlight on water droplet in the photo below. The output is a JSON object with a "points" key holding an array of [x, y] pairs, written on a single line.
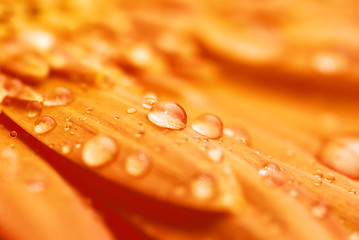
{"points": [[208, 125], [33, 109], [137, 165], [13, 134], [203, 187], [272, 174], [99, 150], [216, 154], [59, 96], [131, 110], [342, 155], [44, 124], [149, 100], [167, 114]]}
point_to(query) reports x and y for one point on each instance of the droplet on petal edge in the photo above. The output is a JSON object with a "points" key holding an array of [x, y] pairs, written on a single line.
{"points": [[167, 114], [208, 125], [44, 124], [59, 96], [149, 100], [137, 165], [342, 155], [99, 150], [33, 109]]}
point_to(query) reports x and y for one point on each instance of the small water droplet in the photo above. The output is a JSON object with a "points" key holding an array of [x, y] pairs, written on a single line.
{"points": [[131, 110], [89, 110], [216, 154], [35, 185], [44, 124], [33, 109], [236, 133], [13, 134], [342, 155], [137, 165], [318, 181], [330, 177], [66, 148], [59, 96], [203, 187], [319, 210], [149, 100], [208, 125], [318, 173], [99, 150], [272, 174], [168, 114]]}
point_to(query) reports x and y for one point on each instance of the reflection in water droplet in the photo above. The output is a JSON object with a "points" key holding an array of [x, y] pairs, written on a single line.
{"points": [[59, 96], [99, 150], [149, 100], [272, 174], [35, 185], [319, 210], [137, 165], [216, 154], [342, 155], [44, 124], [89, 110], [208, 125], [203, 187], [33, 109], [330, 177], [318, 181], [237, 134], [168, 114], [13, 134], [131, 110]]}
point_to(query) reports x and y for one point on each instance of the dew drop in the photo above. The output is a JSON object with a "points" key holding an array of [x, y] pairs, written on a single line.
{"points": [[330, 177], [216, 154], [203, 187], [131, 110], [89, 110], [99, 150], [208, 125], [319, 210], [149, 100], [13, 134], [342, 155], [59, 96], [168, 114], [33, 109], [44, 124], [236, 133], [137, 165], [317, 181], [272, 174]]}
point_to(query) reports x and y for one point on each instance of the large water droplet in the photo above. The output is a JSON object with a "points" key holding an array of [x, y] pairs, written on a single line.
{"points": [[342, 155], [99, 150], [59, 96], [203, 187], [44, 124], [137, 165], [272, 174], [208, 125], [33, 109], [168, 114]]}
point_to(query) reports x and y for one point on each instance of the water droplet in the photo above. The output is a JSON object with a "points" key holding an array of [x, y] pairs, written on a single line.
{"points": [[137, 165], [89, 110], [236, 133], [352, 191], [99, 150], [342, 155], [59, 96], [33, 109], [44, 124], [272, 174], [13, 87], [35, 185], [330, 177], [318, 181], [318, 173], [117, 117], [13, 134], [208, 125], [354, 236], [216, 154], [168, 114], [149, 100], [68, 126], [203, 187], [319, 210], [131, 110], [66, 148]]}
